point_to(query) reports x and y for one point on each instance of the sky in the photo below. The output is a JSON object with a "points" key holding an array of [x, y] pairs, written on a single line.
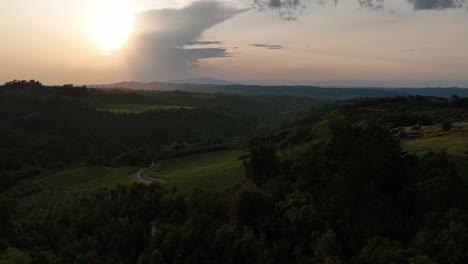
{"points": [[388, 43]]}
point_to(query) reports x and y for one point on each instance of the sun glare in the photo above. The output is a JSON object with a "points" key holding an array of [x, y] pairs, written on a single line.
{"points": [[110, 24]]}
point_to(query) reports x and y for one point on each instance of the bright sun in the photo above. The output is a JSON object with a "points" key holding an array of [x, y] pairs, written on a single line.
{"points": [[110, 23]]}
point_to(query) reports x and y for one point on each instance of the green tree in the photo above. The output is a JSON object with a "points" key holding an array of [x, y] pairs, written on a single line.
{"points": [[14, 256], [263, 164], [447, 125], [7, 208], [328, 249]]}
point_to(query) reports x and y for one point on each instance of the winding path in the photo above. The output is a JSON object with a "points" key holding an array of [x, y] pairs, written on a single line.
{"points": [[145, 180]]}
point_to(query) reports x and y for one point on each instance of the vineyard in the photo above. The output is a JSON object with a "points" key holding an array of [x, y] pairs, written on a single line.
{"points": [[49, 203], [40, 198], [89, 178]]}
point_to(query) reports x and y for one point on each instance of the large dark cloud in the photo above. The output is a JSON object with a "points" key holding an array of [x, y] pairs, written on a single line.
{"points": [[158, 49]]}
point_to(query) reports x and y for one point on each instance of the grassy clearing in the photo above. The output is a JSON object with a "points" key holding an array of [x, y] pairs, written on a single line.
{"points": [[434, 138], [454, 141], [139, 108], [435, 130], [90, 178], [211, 171], [455, 145]]}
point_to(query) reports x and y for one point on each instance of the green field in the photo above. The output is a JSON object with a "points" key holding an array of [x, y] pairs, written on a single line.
{"points": [[435, 130], [454, 144], [454, 141], [433, 138], [211, 171], [138, 108], [90, 178]]}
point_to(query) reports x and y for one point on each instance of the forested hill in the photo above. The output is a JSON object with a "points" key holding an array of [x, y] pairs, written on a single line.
{"points": [[308, 91], [334, 184], [45, 126]]}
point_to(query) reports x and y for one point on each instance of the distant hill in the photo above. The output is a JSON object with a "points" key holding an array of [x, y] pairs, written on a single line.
{"points": [[356, 83], [440, 92], [307, 91], [204, 80]]}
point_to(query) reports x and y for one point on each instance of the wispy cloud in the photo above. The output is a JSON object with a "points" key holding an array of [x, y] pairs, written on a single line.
{"points": [[436, 4], [289, 9], [416, 50], [214, 42], [268, 46]]}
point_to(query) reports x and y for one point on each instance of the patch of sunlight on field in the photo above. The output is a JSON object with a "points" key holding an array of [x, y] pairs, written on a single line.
{"points": [[211, 171], [436, 130], [454, 142], [454, 145]]}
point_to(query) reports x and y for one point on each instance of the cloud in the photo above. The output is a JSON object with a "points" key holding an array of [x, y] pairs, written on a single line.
{"points": [[268, 46], [156, 49], [423, 50], [289, 9], [436, 4], [215, 42], [408, 51], [196, 54], [371, 4]]}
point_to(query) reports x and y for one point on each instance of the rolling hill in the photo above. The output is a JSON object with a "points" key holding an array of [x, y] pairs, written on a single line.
{"points": [[334, 93]]}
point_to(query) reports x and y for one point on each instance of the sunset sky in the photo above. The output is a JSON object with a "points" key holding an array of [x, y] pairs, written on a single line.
{"points": [[104, 41]]}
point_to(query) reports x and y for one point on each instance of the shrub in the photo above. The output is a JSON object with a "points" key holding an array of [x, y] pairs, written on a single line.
{"points": [[446, 125]]}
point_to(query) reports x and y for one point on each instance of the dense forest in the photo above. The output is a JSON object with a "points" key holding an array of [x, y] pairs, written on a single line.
{"points": [[324, 182]]}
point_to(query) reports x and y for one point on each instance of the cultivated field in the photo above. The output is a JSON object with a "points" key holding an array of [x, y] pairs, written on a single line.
{"points": [[24, 188], [90, 178], [42, 205], [212, 170], [139, 108]]}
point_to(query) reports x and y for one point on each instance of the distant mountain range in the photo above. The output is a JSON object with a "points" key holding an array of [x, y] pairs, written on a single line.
{"points": [[365, 83], [204, 80], [333, 93]]}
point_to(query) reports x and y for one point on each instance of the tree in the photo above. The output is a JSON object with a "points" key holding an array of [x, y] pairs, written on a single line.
{"points": [[14, 256], [447, 126], [46, 257], [249, 206], [7, 208], [263, 164], [328, 248]]}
